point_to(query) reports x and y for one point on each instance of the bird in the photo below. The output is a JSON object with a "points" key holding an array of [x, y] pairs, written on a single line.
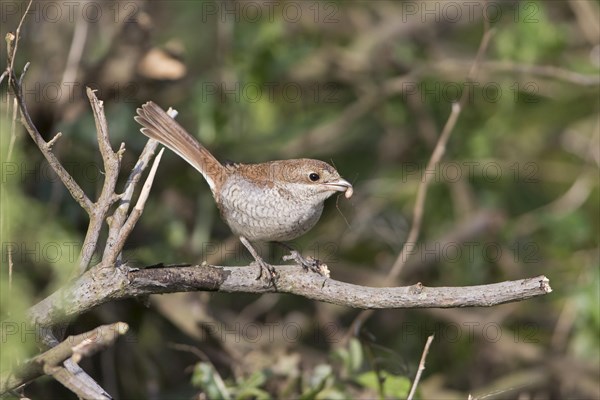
{"points": [[273, 201]]}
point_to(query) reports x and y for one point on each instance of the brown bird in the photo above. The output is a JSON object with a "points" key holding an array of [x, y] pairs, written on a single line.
{"points": [[271, 201]]}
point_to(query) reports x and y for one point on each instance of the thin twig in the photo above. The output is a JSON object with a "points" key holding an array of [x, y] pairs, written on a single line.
{"points": [[8, 158], [76, 192], [119, 217], [139, 206], [10, 269], [12, 45], [189, 349], [112, 163], [136, 213], [436, 156], [569, 201], [543, 71], [75, 51], [413, 389], [13, 131], [586, 13], [547, 71], [419, 207], [53, 141]]}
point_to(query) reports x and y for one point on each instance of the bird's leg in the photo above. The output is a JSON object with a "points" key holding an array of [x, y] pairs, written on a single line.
{"points": [[309, 263], [261, 263]]}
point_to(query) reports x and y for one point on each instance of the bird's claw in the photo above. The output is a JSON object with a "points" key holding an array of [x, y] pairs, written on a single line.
{"points": [[309, 263], [270, 271]]}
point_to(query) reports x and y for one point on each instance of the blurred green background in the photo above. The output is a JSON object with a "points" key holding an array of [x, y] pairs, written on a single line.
{"points": [[368, 87]]}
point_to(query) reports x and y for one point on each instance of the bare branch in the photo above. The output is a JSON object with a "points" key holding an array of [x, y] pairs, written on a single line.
{"points": [[434, 160], [10, 270], [419, 208], [80, 34], [413, 388], [136, 213], [102, 130], [543, 71], [104, 283], [53, 140], [71, 375], [12, 43], [13, 130], [50, 362], [116, 221], [112, 165], [72, 382], [76, 192], [117, 235], [85, 381], [139, 206], [436, 156]]}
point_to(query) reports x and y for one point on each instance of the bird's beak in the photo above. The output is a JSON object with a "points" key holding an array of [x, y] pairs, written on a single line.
{"points": [[341, 185]]}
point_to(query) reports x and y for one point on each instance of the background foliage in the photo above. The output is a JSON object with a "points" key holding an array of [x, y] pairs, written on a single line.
{"points": [[367, 86]]}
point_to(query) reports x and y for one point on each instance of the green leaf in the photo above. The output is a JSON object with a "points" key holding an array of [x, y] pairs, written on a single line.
{"points": [[356, 355], [396, 386], [208, 379], [317, 381], [250, 387], [331, 394], [257, 379], [343, 356], [369, 380], [252, 393], [393, 385]]}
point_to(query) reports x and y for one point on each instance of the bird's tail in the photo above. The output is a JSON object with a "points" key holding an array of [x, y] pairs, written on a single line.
{"points": [[158, 125]]}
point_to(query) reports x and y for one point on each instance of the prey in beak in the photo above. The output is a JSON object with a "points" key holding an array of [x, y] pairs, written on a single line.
{"points": [[341, 185]]}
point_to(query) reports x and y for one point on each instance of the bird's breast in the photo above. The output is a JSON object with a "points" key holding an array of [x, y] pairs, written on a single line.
{"points": [[267, 212]]}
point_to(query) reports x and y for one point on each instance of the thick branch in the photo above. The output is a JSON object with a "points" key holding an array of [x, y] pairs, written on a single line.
{"points": [[105, 283]]}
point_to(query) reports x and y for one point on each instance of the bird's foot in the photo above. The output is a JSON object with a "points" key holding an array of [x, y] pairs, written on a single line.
{"points": [[309, 263], [264, 266], [267, 270]]}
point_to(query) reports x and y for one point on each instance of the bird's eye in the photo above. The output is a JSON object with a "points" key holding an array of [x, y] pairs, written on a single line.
{"points": [[314, 177]]}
